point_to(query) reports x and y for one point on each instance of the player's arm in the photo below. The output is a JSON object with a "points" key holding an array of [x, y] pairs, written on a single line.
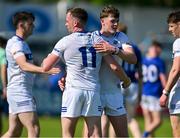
{"points": [[172, 79], [174, 74], [118, 70], [49, 62], [4, 78], [140, 80], [26, 66], [127, 53]]}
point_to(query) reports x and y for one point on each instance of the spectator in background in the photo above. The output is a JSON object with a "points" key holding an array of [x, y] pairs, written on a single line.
{"points": [[3, 82], [154, 80], [173, 84], [133, 92]]}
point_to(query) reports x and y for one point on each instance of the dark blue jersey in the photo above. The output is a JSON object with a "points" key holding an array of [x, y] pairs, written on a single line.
{"points": [[152, 68], [131, 69]]}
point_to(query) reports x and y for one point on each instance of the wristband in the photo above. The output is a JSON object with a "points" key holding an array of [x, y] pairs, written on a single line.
{"points": [[165, 93], [116, 51]]}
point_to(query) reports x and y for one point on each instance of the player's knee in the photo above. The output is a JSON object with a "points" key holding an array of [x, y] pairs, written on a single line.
{"points": [[34, 129], [14, 132]]}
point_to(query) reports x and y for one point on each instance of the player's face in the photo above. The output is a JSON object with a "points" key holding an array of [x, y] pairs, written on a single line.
{"points": [[28, 27], [174, 28], [109, 24], [69, 22]]}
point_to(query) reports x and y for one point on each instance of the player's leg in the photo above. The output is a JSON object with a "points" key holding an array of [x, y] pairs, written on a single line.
{"points": [[72, 103], [175, 123], [117, 113], [68, 126], [93, 126], [104, 125], [119, 124], [111, 131], [131, 103], [15, 127], [31, 122], [91, 111], [147, 121], [156, 121]]}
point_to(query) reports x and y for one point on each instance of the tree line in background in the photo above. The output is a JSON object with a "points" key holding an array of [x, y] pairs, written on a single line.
{"points": [[162, 3]]}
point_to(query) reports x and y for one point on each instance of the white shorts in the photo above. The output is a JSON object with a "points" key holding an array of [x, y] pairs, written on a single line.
{"points": [[150, 103], [21, 104], [76, 102], [174, 101], [131, 99], [113, 104]]}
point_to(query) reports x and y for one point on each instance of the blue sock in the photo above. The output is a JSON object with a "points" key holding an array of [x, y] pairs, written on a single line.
{"points": [[146, 134]]}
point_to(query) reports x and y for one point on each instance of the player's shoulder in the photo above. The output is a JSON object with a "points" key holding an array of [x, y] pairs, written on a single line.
{"points": [[176, 44], [121, 35], [14, 42]]}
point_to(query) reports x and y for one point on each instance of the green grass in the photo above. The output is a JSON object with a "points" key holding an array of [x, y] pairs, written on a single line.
{"points": [[50, 127]]}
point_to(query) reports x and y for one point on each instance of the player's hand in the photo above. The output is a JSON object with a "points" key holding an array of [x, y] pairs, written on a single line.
{"points": [[125, 84], [163, 100], [54, 71], [61, 83], [104, 47]]}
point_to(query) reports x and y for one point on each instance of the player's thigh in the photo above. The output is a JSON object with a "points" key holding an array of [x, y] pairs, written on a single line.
{"points": [[156, 115], [92, 104], [72, 102], [15, 125], [175, 122], [68, 126], [119, 124], [113, 104], [29, 119], [93, 125]]}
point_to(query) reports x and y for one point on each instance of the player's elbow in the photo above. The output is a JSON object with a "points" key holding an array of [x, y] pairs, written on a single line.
{"points": [[45, 68], [176, 71], [114, 67], [133, 59]]}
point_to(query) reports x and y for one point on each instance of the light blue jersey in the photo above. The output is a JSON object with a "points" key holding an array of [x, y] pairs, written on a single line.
{"points": [[82, 61], [108, 80], [19, 81]]}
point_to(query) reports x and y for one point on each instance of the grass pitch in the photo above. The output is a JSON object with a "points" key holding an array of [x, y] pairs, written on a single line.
{"points": [[50, 127]]}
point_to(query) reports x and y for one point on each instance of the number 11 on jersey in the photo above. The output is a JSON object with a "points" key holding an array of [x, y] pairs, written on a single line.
{"points": [[84, 51]]}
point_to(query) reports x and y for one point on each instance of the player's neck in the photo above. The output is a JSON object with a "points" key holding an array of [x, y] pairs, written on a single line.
{"points": [[106, 33], [20, 34], [78, 30]]}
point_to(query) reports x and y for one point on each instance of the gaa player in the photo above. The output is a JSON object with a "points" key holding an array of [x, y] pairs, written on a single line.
{"points": [[172, 88], [81, 95], [22, 106]]}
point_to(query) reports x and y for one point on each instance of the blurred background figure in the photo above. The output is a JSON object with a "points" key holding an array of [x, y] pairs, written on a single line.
{"points": [[133, 92], [154, 80], [55, 92], [3, 82]]}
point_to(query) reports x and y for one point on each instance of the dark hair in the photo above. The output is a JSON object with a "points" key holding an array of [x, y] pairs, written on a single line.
{"points": [[79, 13], [21, 16], [156, 44], [122, 28], [3, 42], [109, 10], [174, 17]]}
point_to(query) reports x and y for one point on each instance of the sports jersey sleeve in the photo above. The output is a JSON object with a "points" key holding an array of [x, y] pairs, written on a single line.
{"points": [[17, 50], [124, 40], [176, 48], [59, 47]]}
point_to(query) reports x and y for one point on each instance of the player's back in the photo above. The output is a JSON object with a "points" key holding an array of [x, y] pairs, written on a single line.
{"points": [[82, 61], [152, 67]]}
